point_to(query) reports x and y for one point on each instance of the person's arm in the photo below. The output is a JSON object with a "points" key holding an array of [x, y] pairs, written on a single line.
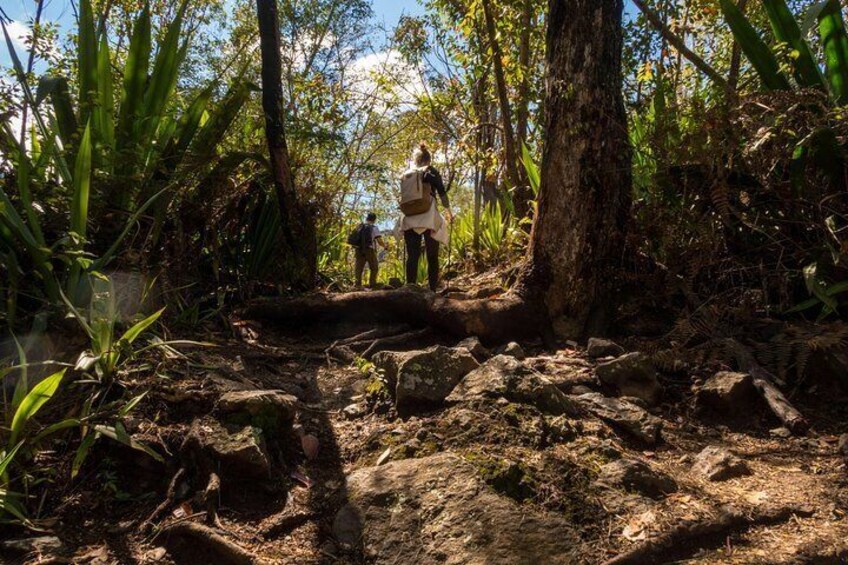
{"points": [[435, 180]]}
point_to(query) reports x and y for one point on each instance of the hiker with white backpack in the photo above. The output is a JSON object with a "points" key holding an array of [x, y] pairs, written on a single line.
{"points": [[421, 218]]}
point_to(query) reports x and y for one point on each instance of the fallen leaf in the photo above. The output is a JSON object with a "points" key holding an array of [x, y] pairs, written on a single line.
{"points": [[637, 528], [310, 446], [384, 456]]}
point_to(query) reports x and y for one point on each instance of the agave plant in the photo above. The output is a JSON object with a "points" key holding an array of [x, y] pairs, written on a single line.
{"points": [[117, 154]]}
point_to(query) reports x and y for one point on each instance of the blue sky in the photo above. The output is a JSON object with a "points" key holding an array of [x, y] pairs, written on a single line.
{"points": [[386, 12]]}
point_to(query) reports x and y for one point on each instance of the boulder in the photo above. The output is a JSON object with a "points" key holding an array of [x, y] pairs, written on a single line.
{"points": [[623, 415], [427, 377], [727, 392], [637, 476], [387, 362], [271, 410], [598, 348], [718, 464], [438, 509], [240, 450], [632, 374], [506, 377], [513, 349], [473, 345]]}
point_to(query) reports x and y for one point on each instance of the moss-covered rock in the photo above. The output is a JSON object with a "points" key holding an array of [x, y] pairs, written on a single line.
{"points": [[507, 477]]}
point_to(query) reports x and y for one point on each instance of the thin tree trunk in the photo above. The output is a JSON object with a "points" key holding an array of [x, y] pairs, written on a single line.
{"points": [[297, 222], [521, 194], [523, 112], [585, 199], [656, 21]]}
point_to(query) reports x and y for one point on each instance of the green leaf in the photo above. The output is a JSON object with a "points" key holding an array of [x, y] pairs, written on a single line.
{"points": [[57, 427], [104, 116], [755, 49], [82, 452], [135, 80], [82, 185], [786, 30], [56, 88], [131, 334], [8, 457], [129, 406], [32, 403], [86, 60], [835, 44], [22, 385], [119, 434]]}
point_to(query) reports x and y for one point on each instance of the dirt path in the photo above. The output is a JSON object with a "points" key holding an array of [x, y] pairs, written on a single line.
{"points": [[545, 467]]}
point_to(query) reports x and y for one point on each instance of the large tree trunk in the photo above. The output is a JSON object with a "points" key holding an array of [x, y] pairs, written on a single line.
{"points": [[578, 237], [297, 221]]}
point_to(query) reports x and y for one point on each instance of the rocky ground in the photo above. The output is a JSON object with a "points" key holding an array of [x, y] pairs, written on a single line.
{"points": [[296, 449]]}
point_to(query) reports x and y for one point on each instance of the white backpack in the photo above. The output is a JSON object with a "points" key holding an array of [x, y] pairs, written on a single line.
{"points": [[416, 196]]}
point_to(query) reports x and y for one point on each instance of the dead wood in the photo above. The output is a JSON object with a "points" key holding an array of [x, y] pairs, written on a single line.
{"points": [[211, 497], [387, 342], [494, 320], [764, 383], [686, 538], [170, 498], [285, 522], [197, 543]]}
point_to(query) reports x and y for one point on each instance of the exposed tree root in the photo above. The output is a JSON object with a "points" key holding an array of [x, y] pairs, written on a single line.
{"points": [[686, 538], [386, 342], [285, 522], [211, 496], [196, 543], [764, 383], [170, 498], [494, 320]]}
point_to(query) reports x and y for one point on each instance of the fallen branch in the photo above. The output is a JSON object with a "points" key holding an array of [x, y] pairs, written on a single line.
{"points": [[201, 544], [686, 538], [764, 383]]}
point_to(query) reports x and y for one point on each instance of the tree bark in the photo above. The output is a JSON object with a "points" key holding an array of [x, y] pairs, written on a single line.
{"points": [[521, 192], [585, 198], [297, 221]]}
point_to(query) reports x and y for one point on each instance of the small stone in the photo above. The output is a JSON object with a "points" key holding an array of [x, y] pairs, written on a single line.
{"points": [[634, 475], [354, 411], [718, 464], [240, 450], [514, 350], [581, 389], [623, 415], [473, 345], [384, 457], [561, 429], [421, 434], [780, 432], [155, 555], [271, 410], [842, 445], [632, 374], [728, 392], [598, 348]]}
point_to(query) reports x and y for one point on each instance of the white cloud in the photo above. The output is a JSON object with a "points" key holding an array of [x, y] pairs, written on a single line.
{"points": [[387, 75], [19, 32]]}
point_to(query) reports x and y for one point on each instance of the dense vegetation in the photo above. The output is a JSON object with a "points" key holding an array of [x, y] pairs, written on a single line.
{"points": [[137, 195]]}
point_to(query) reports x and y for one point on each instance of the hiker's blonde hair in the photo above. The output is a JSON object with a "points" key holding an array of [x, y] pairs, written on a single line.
{"points": [[421, 156]]}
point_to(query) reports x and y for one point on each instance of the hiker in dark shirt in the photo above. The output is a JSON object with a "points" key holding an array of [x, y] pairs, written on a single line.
{"points": [[429, 226], [366, 252]]}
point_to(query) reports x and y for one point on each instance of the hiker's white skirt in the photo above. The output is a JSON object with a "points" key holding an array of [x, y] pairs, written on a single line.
{"points": [[429, 220]]}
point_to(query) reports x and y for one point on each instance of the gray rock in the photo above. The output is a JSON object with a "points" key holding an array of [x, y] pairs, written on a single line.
{"points": [[634, 475], [354, 411], [727, 392], [581, 389], [718, 464], [240, 450], [624, 415], [271, 410], [780, 432], [632, 374], [473, 345], [427, 377], [506, 377], [598, 348], [842, 445], [387, 362], [438, 509], [512, 349]]}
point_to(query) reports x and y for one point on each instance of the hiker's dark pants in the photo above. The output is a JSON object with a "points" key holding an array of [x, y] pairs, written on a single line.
{"points": [[413, 254], [369, 256]]}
